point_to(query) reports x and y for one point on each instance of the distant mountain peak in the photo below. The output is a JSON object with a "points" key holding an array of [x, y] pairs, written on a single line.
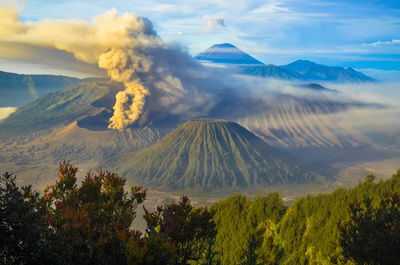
{"points": [[301, 65], [303, 62], [227, 53], [223, 45], [317, 87]]}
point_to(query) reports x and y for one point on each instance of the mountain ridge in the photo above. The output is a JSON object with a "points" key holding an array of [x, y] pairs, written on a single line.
{"points": [[19, 89], [271, 71], [313, 71]]}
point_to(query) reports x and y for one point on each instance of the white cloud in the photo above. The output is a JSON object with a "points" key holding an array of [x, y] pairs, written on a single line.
{"points": [[213, 24], [380, 43], [6, 111], [19, 4], [270, 7]]}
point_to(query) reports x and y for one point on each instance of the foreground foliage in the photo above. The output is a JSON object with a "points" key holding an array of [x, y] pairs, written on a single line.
{"points": [[321, 229], [92, 220], [91, 223]]}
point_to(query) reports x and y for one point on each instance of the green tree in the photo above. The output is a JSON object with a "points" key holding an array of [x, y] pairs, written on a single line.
{"points": [[308, 231], [237, 218], [91, 224], [372, 235], [271, 251], [189, 229], [210, 255], [250, 256]]}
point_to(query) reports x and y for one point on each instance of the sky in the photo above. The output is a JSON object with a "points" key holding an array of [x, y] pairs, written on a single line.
{"points": [[363, 34]]}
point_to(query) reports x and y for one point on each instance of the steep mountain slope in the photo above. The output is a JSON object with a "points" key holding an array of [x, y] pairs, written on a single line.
{"points": [[19, 89], [228, 54], [210, 154], [312, 71]]}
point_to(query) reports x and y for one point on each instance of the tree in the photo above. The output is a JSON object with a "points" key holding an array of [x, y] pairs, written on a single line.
{"points": [[271, 250], [210, 255], [152, 250], [372, 235], [250, 256], [90, 224], [21, 224], [188, 229]]}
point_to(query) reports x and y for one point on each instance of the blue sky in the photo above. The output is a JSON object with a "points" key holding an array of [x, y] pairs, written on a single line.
{"points": [[364, 34]]}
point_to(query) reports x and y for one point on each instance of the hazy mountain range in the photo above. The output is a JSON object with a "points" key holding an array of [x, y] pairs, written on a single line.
{"points": [[71, 124], [304, 70], [281, 132]]}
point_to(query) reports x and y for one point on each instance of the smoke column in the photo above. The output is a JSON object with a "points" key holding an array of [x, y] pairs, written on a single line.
{"points": [[121, 66]]}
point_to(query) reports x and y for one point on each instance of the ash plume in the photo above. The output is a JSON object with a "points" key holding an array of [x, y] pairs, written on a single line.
{"points": [[126, 46]]}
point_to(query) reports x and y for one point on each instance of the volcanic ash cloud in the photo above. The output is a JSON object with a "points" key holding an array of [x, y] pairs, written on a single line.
{"points": [[125, 46]]}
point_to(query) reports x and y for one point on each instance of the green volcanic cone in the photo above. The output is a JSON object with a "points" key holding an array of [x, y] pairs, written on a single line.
{"points": [[209, 154]]}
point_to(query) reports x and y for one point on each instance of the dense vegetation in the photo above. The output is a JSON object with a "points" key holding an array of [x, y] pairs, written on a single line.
{"points": [[210, 154], [307, 232], [92, 224]]}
